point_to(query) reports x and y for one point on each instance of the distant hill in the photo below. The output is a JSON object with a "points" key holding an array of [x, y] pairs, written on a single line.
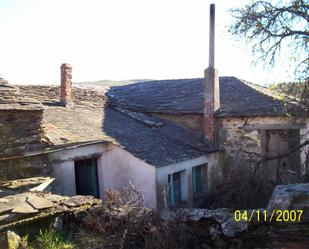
{"points": [[109, 83]]}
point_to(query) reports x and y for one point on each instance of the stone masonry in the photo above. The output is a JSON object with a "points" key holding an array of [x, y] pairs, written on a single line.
{"points": [[66, 97], [21, 130]]}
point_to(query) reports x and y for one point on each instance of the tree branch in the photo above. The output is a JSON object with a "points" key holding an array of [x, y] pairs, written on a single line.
{"points": [[286, 154], [265, 158]]}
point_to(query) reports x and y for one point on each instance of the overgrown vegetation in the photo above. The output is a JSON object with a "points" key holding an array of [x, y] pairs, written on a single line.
{"points": [[47, 239], [297, 91], [123, 222], [242, 188]]}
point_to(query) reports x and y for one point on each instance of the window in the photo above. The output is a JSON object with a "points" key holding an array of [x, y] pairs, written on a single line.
{"points": [[86, 177], [199, 179], [174, 183]]}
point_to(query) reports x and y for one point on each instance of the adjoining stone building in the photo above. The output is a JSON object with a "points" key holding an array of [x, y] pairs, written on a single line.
{"points": [[251, 123]]}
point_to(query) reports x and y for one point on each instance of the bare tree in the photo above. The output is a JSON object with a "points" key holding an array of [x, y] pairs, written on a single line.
{"points": [[271, 26]]}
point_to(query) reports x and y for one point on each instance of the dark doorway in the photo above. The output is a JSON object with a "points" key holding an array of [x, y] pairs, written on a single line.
{"points": [[86, 177]]}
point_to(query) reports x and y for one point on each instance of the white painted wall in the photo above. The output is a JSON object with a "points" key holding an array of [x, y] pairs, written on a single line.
{"points": [[115, 168], [186, 178], [64, 174], [119, 167], [63, 166]]}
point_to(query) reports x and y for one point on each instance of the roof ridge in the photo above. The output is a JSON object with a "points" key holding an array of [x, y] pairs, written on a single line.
{"points": [[152, 122], [139, 117]]}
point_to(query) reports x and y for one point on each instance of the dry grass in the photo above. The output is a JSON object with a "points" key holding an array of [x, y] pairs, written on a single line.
{"points": [[241, 189], [123, 222]]}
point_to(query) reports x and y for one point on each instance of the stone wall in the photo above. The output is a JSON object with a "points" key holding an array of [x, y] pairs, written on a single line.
{"points": [[20, 130], [24, 167], [245, 140]]}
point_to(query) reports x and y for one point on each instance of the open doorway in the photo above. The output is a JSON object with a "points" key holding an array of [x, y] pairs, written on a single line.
{"points": [[86, 177]]}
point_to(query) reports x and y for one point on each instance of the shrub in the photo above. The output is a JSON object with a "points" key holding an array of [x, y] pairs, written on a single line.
{"points": [[50, 239]]}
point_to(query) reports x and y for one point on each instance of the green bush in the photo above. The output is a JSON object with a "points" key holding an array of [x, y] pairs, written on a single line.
{"points": [[50, 239]]}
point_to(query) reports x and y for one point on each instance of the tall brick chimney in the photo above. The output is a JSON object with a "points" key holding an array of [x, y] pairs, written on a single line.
{"points": [[66, 85], [212, 91]]}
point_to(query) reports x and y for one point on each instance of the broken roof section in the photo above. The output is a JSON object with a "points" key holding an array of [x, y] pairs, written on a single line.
{"points": [[27, 207], [238, 98], [18, 186]]}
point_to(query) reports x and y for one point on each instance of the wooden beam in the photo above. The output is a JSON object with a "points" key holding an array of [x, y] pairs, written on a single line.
{"points": [[273, 126]]}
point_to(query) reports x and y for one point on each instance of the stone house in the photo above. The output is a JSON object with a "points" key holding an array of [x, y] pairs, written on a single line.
{"points": [[250, 123], [91, 146], [149, 133], [172, 139]]}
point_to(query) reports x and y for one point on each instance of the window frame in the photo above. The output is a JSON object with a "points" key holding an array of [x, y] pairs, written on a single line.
{"points": [[202, 179]]}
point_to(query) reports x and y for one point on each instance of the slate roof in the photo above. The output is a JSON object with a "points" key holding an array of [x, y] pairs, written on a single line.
{"points": [[120, 115], [12, 99], [238, 98], [156, 141], [24, 208], [13, 187]]}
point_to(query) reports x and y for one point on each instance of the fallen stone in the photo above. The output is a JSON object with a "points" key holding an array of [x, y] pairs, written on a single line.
{"points": [[80, 200], [3, 200], [214, 232], [39, 202], [14, 203], [191, 214], [231, 228], [219, 215], [291, 197], [168, 215], [5, 208], [13, 240], [30, 206], [25, 208], [55, 198]]}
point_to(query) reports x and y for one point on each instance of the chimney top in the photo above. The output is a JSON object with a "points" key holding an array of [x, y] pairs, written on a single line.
{"points": [[212, 36], [66, 65], [66, 98]]}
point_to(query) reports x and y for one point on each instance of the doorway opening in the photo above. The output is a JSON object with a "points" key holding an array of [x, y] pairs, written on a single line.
{"points": [[86, 177]]}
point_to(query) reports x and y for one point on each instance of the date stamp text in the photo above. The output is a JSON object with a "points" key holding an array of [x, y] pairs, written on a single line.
{"points": [[268, 216]]}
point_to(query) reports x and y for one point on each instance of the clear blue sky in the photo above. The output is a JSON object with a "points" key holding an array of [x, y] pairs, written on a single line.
{"points": [[121, 39]]}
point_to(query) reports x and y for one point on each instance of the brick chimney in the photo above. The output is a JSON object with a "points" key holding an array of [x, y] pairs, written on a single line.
{"points": [[66, 85], [212, 91]]}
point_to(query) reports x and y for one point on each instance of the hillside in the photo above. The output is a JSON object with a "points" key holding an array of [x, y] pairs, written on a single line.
{"points": [[109, 83]]}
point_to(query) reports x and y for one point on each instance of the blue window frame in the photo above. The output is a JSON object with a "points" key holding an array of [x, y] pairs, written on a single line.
{"points": [[199, 179]]}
